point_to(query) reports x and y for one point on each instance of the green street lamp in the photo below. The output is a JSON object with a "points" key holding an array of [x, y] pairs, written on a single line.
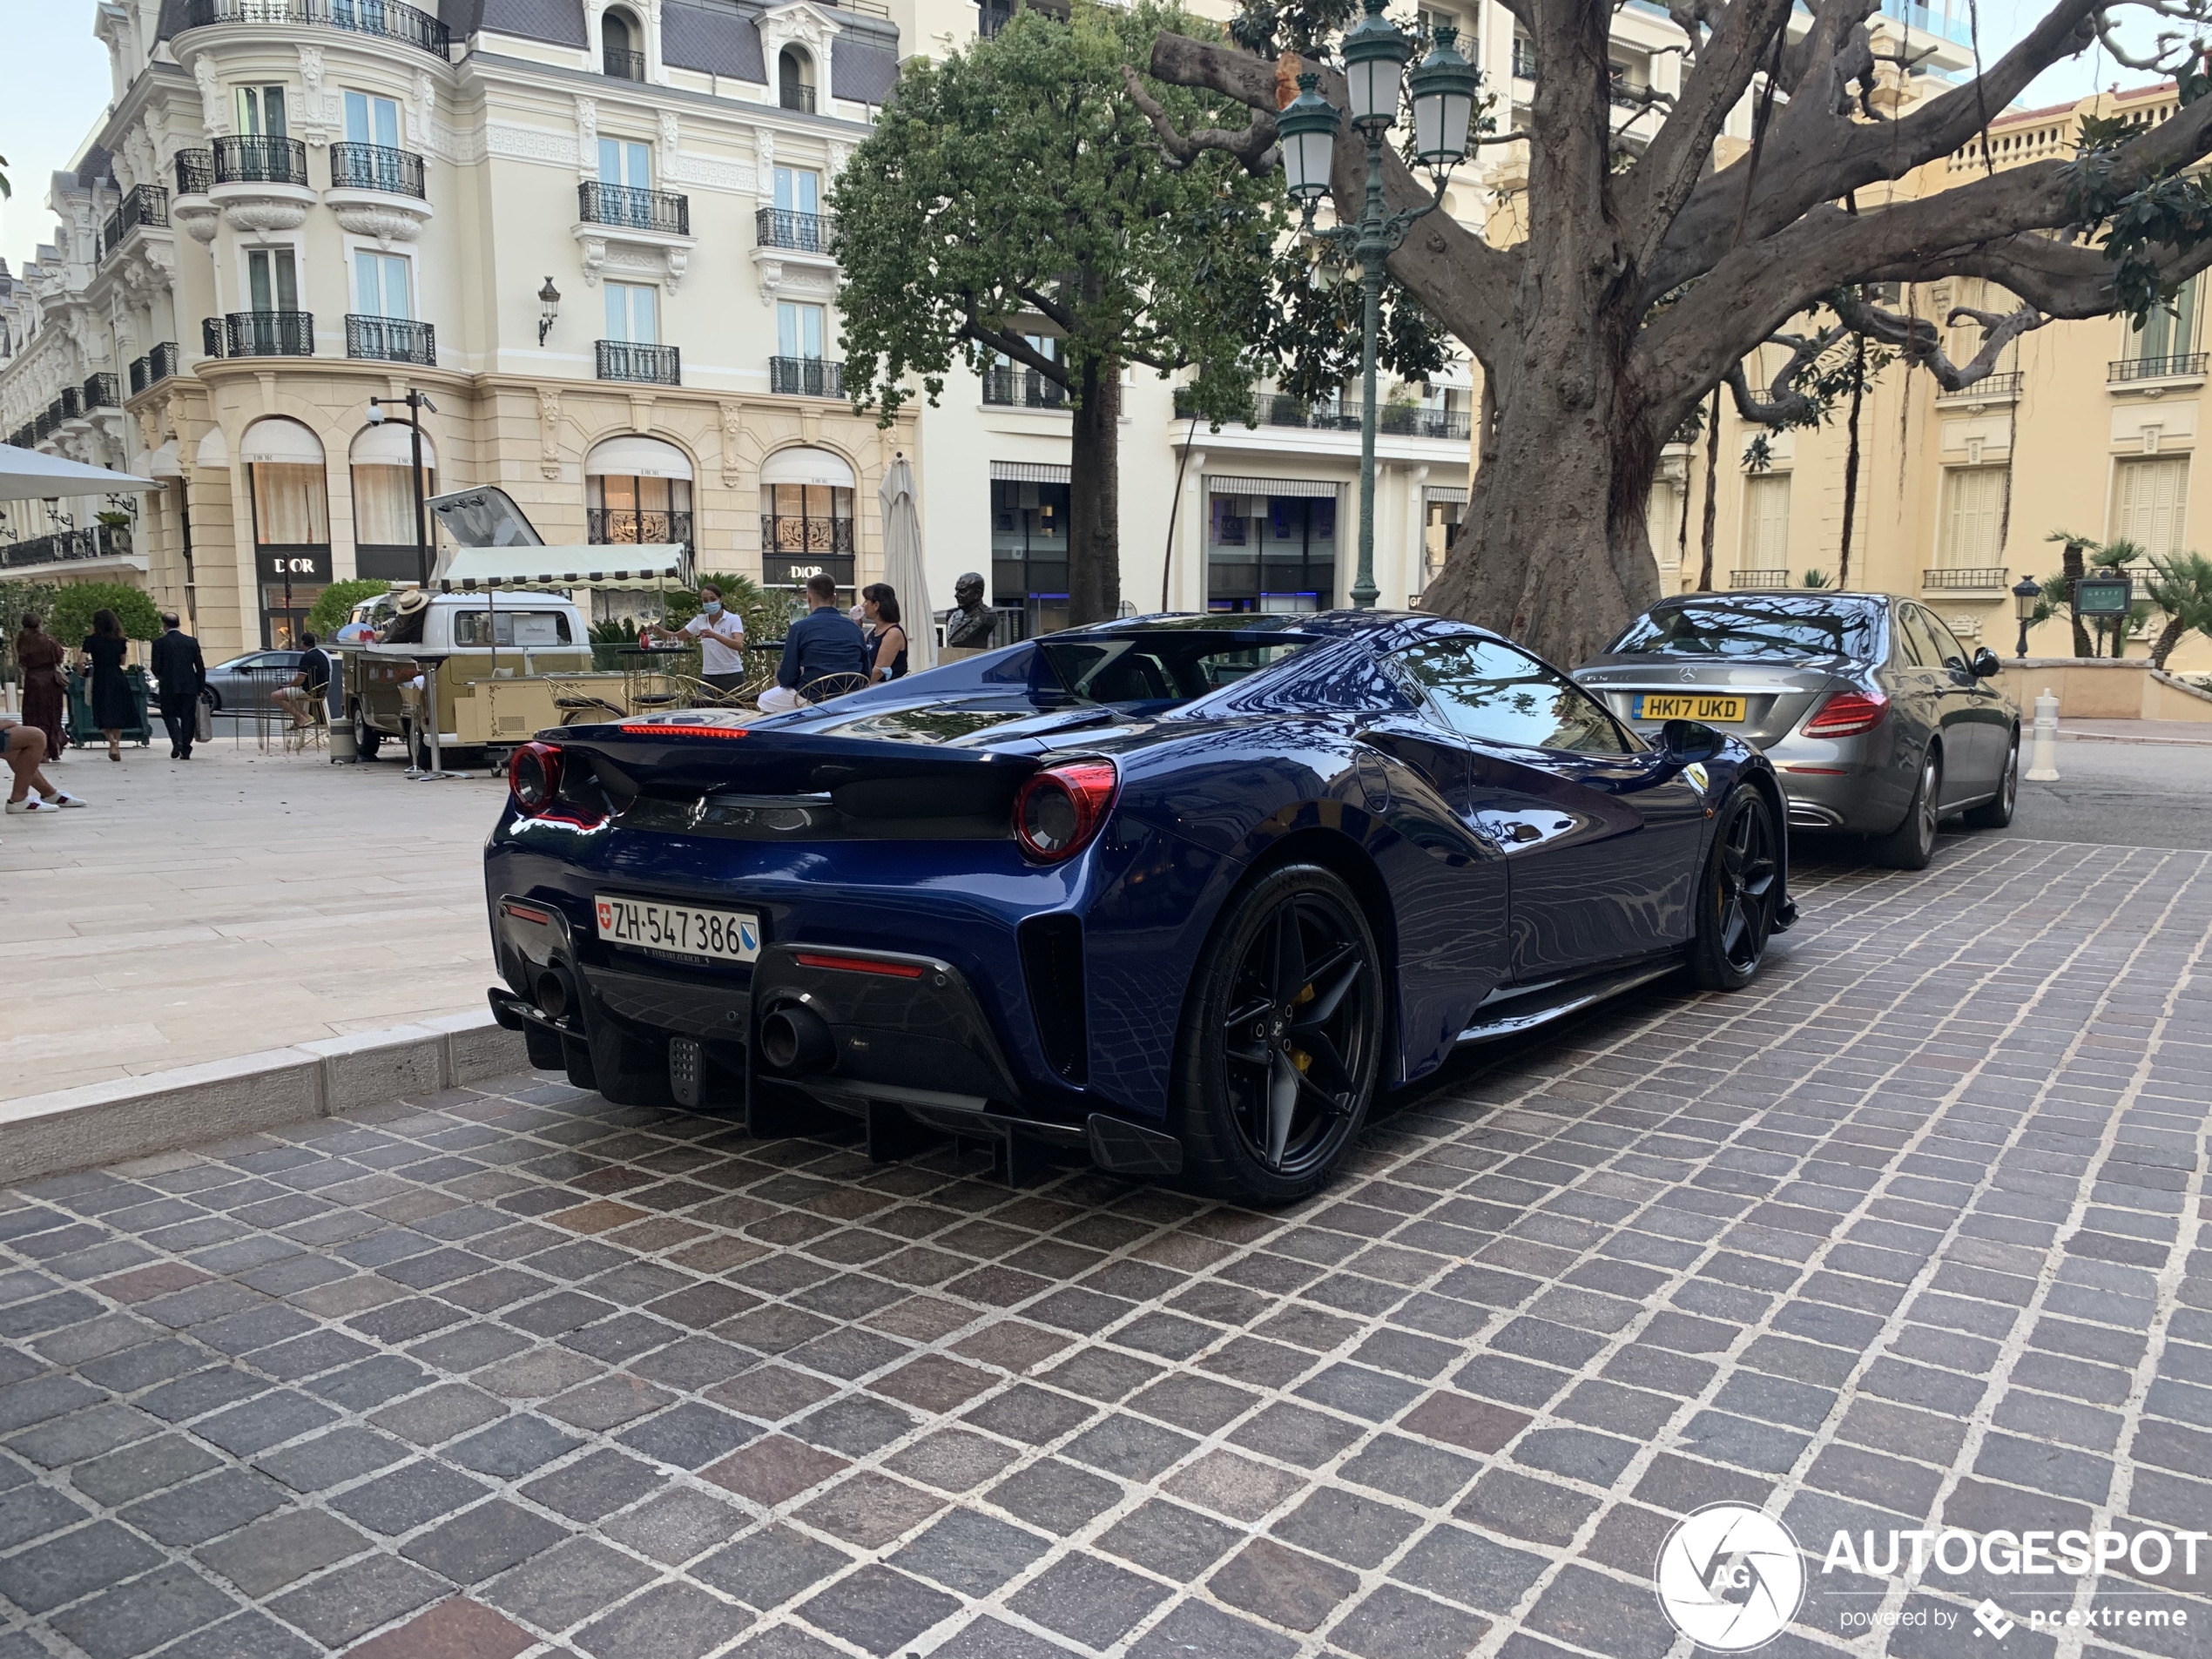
{"points": [[2027, 593], [1442, 87]]}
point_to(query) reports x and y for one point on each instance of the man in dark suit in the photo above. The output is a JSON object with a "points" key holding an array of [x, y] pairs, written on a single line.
{"points": [[183, 675]]}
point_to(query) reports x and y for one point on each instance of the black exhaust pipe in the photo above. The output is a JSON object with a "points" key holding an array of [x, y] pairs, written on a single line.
{"points": [[795, 1038], [556, 997]]}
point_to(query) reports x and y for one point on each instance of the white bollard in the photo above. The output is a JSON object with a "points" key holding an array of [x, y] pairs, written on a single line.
{"points": [[2043, 768]]}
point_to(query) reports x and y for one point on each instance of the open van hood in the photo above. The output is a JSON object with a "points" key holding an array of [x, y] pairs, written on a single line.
{"points": [[499, 548]]}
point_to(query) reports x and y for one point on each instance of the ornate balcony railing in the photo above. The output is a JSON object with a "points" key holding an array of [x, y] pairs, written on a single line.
{"points": [[43, 423], [1990, 388], [1980, 575], [990, 18], [98, 542], [806, 377], [195, 171], [386, 17], [102, 392], [164, 361], [142, 204], [622, 65], [71, 403], [25, 436], [789, 533], [624, 360], [783, 227], [391, 339], [376, 166], [1758, 578], [1022, 388], [258, 334], [632, 208], [1400, 420], [260, 161], [2153, 368], [796, 95], [631, 527]]}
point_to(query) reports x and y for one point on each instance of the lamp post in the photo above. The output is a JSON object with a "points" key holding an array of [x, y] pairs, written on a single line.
{"points": [[2025, 593], [1443, 88], [548, 309], [417, 403]]}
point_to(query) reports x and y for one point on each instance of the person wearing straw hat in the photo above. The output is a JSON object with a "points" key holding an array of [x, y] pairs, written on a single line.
{"points": [[409, 611]]}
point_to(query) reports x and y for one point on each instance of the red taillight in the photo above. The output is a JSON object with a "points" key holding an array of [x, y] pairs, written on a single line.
{"points": [[534, 778], [663, 729], [1057, 811], [860, 964], [1847, 714]]}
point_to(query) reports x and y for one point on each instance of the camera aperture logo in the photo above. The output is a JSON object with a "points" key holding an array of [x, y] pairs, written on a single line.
{"points": [[1731, 1577]]}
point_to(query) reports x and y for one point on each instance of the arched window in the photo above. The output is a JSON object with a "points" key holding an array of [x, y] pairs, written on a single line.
{"points": [[383, 464], [794, 80], [284, 470], [637, 490], [806, 518], [622, 46]]}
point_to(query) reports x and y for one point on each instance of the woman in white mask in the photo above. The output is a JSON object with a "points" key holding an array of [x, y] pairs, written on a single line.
{"points": [[721, 637]]}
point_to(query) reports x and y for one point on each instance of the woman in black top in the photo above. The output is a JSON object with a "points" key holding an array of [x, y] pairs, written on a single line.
{"points": [[887, 639], [113, 705]]}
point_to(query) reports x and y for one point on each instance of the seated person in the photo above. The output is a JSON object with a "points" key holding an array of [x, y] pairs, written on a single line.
{"points": [[823, 641], [309, 686]]}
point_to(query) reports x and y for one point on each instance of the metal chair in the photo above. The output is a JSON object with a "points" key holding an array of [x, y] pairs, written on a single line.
{"points": [[823, 687]]}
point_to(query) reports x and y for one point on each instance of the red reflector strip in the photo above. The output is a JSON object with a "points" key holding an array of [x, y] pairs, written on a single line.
{"points": [[525, 913], [861, 965], [645, 731]]}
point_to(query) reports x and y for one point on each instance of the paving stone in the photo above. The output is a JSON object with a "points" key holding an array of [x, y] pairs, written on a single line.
{"points": [[870, 1509], [768, 1568], [271, 1552], [1194, 1627], [877, 1609], [409, 1497], [144, 1614], [1055, 1495], [1394, 1623], [455, 1629], [207, 1508], [514, 1446], [971, 1553], [676, 1526], [594, 1485], [1286, 1586], [353, 1600], [1090, 1601], [566, 1585]]}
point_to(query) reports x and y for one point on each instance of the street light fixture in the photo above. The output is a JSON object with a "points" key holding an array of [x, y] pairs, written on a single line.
{"points": [[1375, 52], [548, 300], [2027, 592]]}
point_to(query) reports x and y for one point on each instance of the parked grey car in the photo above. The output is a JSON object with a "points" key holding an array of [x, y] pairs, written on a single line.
{"points": [[244, 685], [1878, 720]]}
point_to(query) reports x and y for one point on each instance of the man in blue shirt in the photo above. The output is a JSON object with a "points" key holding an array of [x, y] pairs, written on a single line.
{"points": [[825, 641]]}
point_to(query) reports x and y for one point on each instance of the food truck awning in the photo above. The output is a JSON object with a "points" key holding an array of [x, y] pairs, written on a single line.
{"points": [[610, 565]]}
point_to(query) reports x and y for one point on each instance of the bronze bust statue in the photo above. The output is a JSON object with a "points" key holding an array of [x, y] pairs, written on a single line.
{"points": [[969, 628]]}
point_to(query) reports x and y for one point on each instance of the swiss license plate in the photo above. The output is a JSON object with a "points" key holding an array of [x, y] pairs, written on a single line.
{"points": [[1698, 706], [679, 929]]}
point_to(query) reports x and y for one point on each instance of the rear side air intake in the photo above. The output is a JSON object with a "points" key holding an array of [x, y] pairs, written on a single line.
{"points": [[1052, 964]]}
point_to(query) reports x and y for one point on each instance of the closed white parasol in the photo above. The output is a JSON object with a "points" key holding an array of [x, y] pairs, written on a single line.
{"points": [[902, 566]]}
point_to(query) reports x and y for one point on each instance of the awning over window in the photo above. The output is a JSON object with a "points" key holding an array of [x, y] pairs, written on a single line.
{"points": [[214, 450], [634, 455], [1444, 492], [804, 466], [469, 569], [1029, 472], [281, 441], [1222, 484], [391, 445]]}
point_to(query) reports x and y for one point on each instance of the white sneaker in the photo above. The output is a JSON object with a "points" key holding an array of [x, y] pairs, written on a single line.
{"points": [[63, 798], [32, 803]]}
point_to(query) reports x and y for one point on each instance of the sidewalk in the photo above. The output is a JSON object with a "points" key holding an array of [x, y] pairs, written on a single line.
{"points": [[2196, 733], [236, 903]]}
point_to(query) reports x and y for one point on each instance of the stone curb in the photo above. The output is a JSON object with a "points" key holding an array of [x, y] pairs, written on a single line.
{"points": [[2065, 736], [132, 1117]]}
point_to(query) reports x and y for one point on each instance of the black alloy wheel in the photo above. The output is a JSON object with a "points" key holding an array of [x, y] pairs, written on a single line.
{"points": [[1736, 905], [1281, 1061]]}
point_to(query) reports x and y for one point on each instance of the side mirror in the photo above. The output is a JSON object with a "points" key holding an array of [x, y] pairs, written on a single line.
{"points": [[1985, 664], [1689, 743]]}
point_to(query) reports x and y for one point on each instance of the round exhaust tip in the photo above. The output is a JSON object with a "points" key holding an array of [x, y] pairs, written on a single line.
{"points": [[795, 1038], [554, 996]]}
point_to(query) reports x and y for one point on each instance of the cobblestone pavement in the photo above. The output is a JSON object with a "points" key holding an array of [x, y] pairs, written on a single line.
{"points": [[1906, 1235]]}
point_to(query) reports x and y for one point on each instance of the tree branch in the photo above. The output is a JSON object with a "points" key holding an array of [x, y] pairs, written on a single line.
{"points": [[1784, 404], [1254, 147], [1919, 341]]}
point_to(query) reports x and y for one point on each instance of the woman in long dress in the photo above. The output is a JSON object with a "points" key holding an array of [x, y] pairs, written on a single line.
{"points": [[114, 707], [45, 688]]}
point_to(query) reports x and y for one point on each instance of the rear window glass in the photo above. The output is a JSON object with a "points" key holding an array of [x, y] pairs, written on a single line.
{"points": [[1157, 667], [510, 628], [1749, 627]]}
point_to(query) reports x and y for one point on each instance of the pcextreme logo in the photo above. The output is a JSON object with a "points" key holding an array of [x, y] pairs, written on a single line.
{"points": [[1730, 1578]]}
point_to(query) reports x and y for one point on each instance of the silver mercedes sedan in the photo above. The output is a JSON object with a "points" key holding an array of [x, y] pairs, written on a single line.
{"points": [[1879, 723]]}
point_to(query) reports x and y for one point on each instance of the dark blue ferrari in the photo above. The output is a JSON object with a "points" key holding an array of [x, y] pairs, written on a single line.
{"points": [[1187, 892]]}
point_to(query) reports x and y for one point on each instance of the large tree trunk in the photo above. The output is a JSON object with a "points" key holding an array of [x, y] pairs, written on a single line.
{"points": [[1094, 497], [2074, 568]]}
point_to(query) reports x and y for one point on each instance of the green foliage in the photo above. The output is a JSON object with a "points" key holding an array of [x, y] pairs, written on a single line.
{"points": [[2141, 216], [1268, 27], [2180, 588], [1014, 189], [337, 602], [1817, 579], [74, 606], [18, 600], [616, 631], [1311, 317], [2057, 591]]}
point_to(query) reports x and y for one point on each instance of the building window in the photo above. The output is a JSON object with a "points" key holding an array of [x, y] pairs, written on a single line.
{"points": [[2150, 501], [621, 46], [1431, 18], [1272, 553], [1029, 551], [382, 285], [272, 279], [1440, 528], [1973, 518], [794, 80], [637, 510], [261, 113], [373, 120], [622, 162], [799, 330], [382, 460], [290, 504], [1766, 521], [2167, 333], [633, 313], [797, 191]]}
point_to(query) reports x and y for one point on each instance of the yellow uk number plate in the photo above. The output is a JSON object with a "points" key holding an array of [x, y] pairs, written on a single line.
{"points": [[1653, 705]]}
